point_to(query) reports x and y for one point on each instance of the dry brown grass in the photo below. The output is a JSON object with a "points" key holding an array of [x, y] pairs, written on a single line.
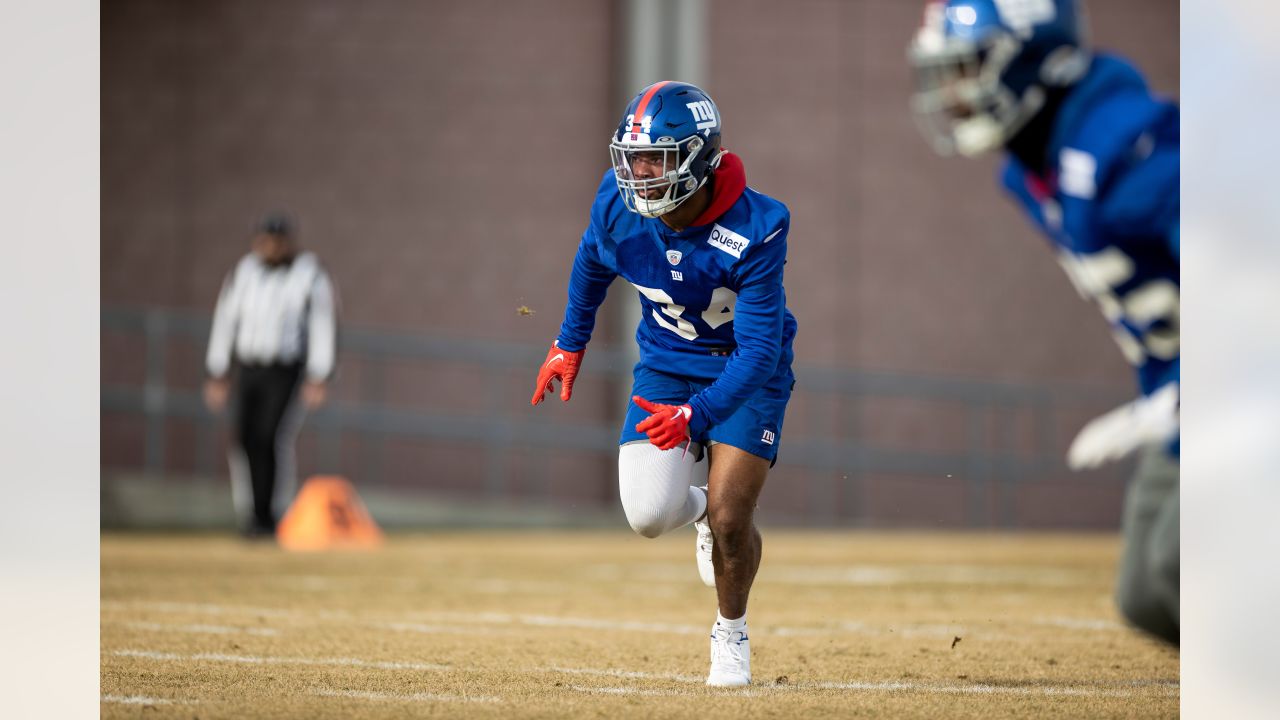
{"points": [[609, 625]]}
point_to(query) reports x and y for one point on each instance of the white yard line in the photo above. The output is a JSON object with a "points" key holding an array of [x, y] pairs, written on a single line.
{"points": [[431, 629], [896, 686], [478, 618], [323, 692], [861, 628], [448, 622], [882, 686], [1079, 623], [268, 660], [627, 674], [204, 629], [201, 608], [498, 586], [626, 691], [490, 618], [570, 622], [1121, 689], [142, 700], [405, 697], [882, 575]]}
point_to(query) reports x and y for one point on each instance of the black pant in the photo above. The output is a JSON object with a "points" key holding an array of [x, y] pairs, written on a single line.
{"points": [[263, 395], [1148, 588]]}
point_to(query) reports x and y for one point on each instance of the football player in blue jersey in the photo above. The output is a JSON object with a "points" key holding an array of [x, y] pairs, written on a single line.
{"points": [[675, 218], [1092, 157]]}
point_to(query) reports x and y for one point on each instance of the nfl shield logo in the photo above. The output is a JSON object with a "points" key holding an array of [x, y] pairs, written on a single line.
{"points": [[673, 256]]}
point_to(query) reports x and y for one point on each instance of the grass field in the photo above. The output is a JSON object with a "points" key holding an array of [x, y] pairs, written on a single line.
{"points": [[610, 625]]}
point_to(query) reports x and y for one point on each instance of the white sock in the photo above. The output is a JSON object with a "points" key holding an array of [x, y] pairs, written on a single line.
{"points": [[731, 624]]}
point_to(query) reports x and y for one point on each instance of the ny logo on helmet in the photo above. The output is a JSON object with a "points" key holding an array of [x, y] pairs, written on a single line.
{"points": [[704, 113]]}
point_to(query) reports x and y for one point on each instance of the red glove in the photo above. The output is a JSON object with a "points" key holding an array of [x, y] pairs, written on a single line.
{"points": [[667, 425], [562, 365]]}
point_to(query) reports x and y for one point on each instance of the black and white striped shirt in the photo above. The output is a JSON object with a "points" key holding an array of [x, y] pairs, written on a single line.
{"points": [[280, 314]]}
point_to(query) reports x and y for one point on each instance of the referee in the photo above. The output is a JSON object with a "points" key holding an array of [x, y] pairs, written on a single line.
{"points": [[275, 323]]}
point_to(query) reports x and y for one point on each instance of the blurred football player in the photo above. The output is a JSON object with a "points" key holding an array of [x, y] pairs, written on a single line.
{"points": [[675, 218], [1092, 157]]}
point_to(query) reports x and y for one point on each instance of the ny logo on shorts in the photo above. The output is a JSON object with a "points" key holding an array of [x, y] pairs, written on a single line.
{"points": [[768, 437]]}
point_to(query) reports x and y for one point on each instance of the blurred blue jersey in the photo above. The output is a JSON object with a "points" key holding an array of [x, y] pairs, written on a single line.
{"points": [[712, 302], [1109, 204]]}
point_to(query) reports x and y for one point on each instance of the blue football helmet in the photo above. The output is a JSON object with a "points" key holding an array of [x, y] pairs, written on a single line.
{"points": [[666, 147], [982, 67]]}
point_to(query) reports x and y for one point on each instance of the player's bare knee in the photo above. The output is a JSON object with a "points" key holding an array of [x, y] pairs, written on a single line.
{"points": [[729, 515], [731, 529]]}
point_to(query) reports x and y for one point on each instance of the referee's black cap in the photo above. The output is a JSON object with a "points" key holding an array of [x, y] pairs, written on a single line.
{"points": [[277, 223]]}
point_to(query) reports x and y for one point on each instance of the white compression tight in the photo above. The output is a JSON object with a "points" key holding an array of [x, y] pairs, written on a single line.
{"points": [[657, 487]]}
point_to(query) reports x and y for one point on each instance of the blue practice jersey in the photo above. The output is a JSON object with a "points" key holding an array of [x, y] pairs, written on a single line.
{"points": [[1109, 204], [712, 302]]}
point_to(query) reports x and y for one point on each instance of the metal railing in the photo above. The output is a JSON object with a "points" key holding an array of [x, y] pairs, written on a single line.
{"points": [[989, 466]]}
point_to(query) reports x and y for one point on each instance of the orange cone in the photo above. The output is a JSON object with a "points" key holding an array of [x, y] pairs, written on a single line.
{"points": [[328, 514]]}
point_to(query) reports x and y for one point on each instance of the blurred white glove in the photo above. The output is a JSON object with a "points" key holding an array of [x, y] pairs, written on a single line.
{"points": [[1145, 421]]}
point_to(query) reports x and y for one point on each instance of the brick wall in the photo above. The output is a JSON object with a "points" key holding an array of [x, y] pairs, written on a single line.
{"points": [[441, 157]]}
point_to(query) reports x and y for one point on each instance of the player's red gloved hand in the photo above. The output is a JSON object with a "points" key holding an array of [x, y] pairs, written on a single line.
{"points": [[562, 365], [667, 425]]}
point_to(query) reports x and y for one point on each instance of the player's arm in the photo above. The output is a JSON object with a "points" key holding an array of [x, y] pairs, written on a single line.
{"points": [[1140, 201], [757, 329], [322, 340], [588, 284], [1139, 205], [221, 341], [1149, 420]]}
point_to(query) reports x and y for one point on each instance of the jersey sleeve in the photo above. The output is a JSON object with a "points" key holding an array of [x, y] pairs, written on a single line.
{"points": [[757, 328], [1141, 202], [322, 330], [588, 285], [222, 334]]}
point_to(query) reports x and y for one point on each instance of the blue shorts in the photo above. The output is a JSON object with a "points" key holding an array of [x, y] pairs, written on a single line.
{"points": [[756, 427]]}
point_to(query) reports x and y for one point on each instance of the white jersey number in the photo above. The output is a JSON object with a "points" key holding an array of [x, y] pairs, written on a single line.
{"points": [[719, 312], [1097, 275]]}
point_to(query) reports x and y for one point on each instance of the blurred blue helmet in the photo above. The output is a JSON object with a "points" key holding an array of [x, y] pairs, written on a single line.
{"points": [[666, 147], [983, 67]]}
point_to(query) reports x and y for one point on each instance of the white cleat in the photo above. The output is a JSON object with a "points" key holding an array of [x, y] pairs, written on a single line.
{"points": [[706, 569], [730, 657]]}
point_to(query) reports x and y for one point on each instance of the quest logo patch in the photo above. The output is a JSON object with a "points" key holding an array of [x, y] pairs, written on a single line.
{"points": [[727, 240]]}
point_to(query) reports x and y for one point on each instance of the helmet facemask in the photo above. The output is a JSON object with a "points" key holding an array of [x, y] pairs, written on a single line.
{"points": [[654, 178], [961, 103]]}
